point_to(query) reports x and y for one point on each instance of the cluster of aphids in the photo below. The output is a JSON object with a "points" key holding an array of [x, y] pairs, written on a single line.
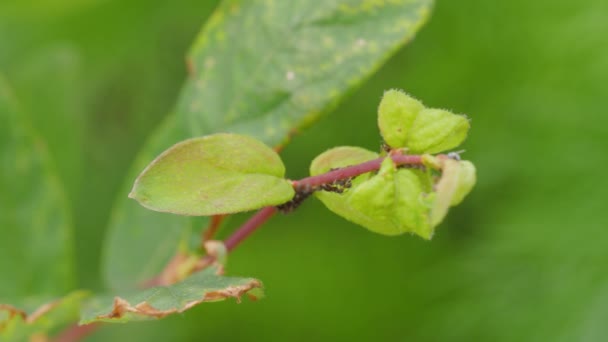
{"points": [[338, 186], [303, 191]]}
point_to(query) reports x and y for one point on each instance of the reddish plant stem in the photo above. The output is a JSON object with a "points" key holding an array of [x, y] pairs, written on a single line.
{"points": [[76, 332], [249, 227], [356, 170], [347, 172], [214, 226], [264, 214]]}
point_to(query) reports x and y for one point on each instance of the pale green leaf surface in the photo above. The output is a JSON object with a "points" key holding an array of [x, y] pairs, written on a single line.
{"points": [[158, 302], [265, 69], [212, 175], [396, 115], [336, 158], [36, 246], [390, 202], [457, 180], [405, 122], [340, 157], [437, 130]]}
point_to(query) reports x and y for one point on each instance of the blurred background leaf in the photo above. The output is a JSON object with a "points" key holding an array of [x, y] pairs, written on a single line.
{"points": [[36, 251], [522, 258], [49, 86]]}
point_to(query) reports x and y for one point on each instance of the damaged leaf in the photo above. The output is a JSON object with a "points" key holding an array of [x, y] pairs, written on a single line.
{"points": [[211, 175], [17, 323], [158, 302]]}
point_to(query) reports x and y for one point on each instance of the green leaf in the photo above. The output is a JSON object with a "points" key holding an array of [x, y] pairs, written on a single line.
{"points": [[264, 69], [212, 175], [457, 180], [437, 130], [338, 157], [33, 318], [56, 109], [405, 122], [159, 302], [35, 246], [391, 202], [396, 115]]}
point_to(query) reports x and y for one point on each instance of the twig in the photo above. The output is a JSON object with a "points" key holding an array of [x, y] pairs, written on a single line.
{"points": [[249, 227], [76, 332], [330, 177], [214, 226], [355, 170]]}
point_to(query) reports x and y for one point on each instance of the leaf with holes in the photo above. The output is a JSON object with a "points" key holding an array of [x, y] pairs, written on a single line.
{"points": [[216, 174], [162, 301]]}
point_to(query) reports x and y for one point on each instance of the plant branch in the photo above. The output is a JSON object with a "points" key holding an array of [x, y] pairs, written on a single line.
{"points": [[214, 226], [249, 227], [355, 170], [312, 182], [76, 332]]}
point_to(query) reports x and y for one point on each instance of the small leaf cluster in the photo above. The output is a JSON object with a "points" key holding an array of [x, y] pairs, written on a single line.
{"points": [[228, 173], [401, 199]]}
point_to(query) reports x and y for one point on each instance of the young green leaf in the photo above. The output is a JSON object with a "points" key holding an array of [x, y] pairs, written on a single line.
{"points": [[338, 157], [436, 130], [457, 180], [390, 203], [216, 174], [396, 115], [405, 122], [159, 302]]}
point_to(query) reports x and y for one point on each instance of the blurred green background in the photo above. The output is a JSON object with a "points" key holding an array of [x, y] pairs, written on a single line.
{"points": [[523, 258]]}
